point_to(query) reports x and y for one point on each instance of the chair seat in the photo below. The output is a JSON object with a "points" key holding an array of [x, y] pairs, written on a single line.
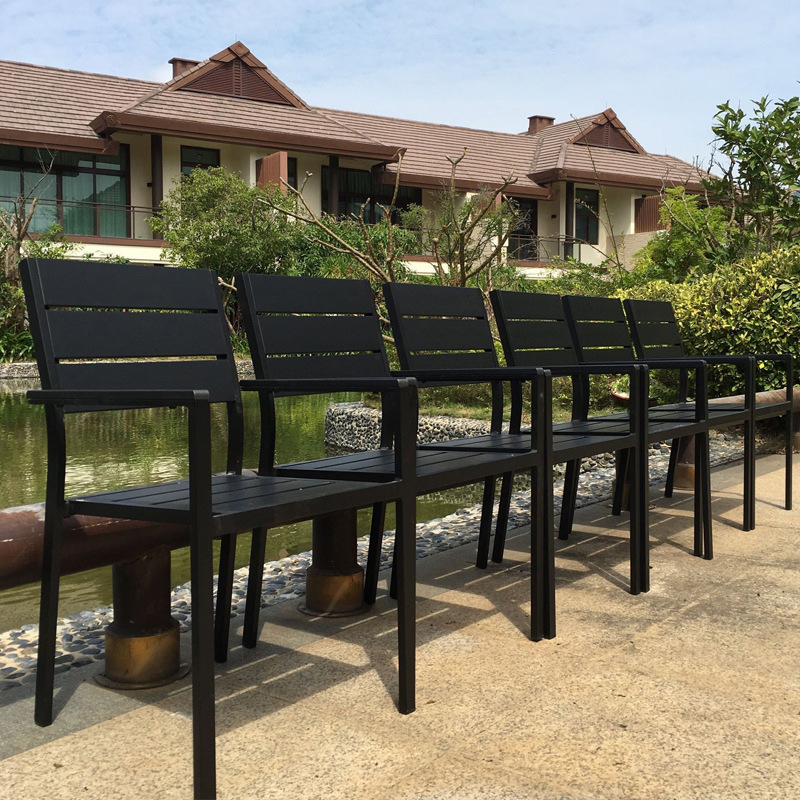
{"points": [[238, 501], [436, 469]]}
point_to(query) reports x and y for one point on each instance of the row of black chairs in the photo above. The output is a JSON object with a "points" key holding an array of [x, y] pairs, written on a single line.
{"points": [[129, 336]]}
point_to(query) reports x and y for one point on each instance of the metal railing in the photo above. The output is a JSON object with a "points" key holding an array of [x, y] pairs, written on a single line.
{"points": [[78, 218], [543, 249]]}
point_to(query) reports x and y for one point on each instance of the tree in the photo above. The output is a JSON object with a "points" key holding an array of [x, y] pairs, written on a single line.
{"points": [[759, 161]]}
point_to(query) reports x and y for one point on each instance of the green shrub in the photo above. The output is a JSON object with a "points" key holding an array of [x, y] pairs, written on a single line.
{"points": [[749, 307]]}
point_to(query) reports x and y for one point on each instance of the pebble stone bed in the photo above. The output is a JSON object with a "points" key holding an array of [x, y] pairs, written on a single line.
{"points": [[81, 635]]}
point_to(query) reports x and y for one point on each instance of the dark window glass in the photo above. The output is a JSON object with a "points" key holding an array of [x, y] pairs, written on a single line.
{"points": [[86, 194], [358, 186], [523, 244], [291, 169], [587, 213], [193, 158]]}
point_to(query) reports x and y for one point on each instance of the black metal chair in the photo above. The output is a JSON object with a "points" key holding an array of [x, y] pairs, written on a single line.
{"points": [[600, 333], [656, 335], [302, 326], [122, 336], [534, 330], [441, 331]]}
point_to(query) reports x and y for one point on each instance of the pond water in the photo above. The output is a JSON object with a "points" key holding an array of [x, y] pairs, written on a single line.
{"points": [[115, 449]]}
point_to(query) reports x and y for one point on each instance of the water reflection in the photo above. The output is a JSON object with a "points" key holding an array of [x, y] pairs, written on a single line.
{"points": [[116, 449]]}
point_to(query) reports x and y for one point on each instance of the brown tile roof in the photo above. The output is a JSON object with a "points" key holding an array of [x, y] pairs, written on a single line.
{"points": [[49, 104], [62, 108], [490, 156]]}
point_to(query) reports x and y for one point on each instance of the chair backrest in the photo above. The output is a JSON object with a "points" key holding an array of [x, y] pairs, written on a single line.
{"points": [[439, 327], [533, 329], [300, 327], [599, 330], [654, 328], [125, 326]]}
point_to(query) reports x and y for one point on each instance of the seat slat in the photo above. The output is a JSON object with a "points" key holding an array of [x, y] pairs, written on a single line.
{"points": [[601, 309], [602, 334], [357, 365], [530, 305], [451, 360], [546, 334], [658, 334], [116, 334], [651, 310]]}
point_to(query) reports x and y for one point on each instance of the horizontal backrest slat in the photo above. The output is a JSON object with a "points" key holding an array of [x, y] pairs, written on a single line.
{"points": [[602, 334], [543, 358], [452, 361], [359, 365], [300, 327], [650, 311], [599, 329], [444, 334], [150, 318], [601, 309], [290, 294], [664, 351], [88, 284], [150, 375], [534, 334], [439, 327], [424, 300], [529, 305], [117, 334], [657, 334], [319, 334]]}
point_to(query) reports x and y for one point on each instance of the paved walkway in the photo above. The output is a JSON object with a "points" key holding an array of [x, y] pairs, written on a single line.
{"points": [[690, 691]]}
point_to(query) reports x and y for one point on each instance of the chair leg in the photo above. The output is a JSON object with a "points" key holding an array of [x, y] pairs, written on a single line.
{"points": [[501, 528], [699, 484], [406, 536], [48, 618], [395, 552], [482, 560], [252, 605], [788, 500], [623, 476], [374, 553], [675, 446], [569, 499], [748, 510], [544, 506], [203, 722], [538, 557], [222, 616], [708, 543]]}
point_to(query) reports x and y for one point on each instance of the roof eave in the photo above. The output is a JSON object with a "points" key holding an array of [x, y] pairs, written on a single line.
{"points": [[58, 141], [109, 122], [614, 179], [437, 182]]}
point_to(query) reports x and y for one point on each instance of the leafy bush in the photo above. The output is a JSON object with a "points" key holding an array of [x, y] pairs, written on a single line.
{"points": [[749, 307]]}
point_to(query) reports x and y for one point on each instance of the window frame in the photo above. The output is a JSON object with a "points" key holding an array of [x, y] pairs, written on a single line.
{"points": [[587, 213], [192, 165], [58, 171]]}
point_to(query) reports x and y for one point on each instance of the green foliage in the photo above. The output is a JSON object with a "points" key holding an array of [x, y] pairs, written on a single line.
{"points": [[50, 244], [577, 277], [759, 158], [16, 343], [752, 306], [208, 221], [693, 243]]}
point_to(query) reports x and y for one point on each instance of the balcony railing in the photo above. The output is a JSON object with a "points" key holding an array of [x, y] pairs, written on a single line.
{"points": [[77, 218], [543, 249]]}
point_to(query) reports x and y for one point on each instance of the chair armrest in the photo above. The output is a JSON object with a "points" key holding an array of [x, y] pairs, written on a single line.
{"points": [[319, 385], [144, 398]]}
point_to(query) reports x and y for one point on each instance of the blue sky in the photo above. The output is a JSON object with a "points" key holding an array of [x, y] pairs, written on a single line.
{"points": [[488, 64]]}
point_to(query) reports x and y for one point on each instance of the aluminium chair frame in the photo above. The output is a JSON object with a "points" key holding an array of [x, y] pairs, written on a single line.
{"points": [[76, 312]]}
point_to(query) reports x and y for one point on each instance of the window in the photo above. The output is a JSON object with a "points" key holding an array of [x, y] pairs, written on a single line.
{"points": [[587, 214], [87, 194], [291, 170], [356, 186], [193, 158], [523, 243]]}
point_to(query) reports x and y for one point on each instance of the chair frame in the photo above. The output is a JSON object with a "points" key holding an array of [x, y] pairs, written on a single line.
{"points": [[332, 324], [66, 301]]}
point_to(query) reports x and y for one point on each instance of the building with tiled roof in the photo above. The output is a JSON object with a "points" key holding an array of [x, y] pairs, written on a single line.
{"points": [[115, 145]]}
